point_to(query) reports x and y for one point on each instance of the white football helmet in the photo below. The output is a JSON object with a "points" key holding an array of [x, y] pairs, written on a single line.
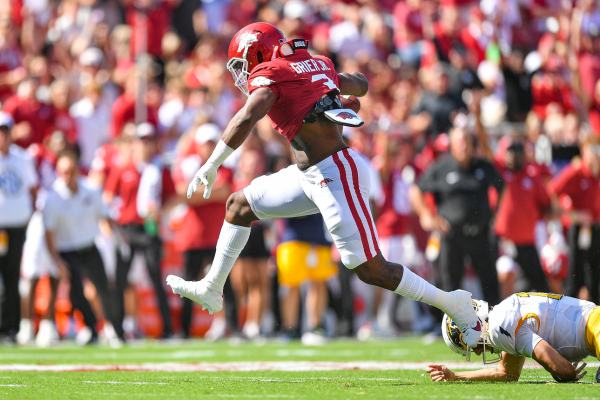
{"points": [[453, 336]]}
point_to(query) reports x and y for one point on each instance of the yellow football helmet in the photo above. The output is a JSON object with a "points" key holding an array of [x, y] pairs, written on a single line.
{"points": [[453, 336]]}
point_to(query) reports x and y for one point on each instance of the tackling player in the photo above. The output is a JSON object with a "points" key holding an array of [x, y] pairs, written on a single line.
{"points": [[555, 330], [300, 93]]}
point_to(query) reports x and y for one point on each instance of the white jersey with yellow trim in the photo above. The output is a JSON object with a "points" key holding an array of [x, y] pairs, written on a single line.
{"points": [[523, 320]]}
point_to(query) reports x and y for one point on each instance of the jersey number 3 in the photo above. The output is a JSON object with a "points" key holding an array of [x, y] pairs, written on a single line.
{"points": [[328, 82]]}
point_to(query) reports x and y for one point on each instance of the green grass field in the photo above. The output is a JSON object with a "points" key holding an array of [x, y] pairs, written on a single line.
{"points": [[332, 384]]}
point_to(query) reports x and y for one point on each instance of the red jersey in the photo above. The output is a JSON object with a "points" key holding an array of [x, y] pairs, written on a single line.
{"points": [[158, 19], [106, 158], [123, 111], [395, 213], [40, 117], [299, 81], [201, 226], [580, 186], [521, 207], [544, 93], [124, 182], [66, 124]]}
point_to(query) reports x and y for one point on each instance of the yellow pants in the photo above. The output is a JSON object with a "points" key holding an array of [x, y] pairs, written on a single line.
{"points": [[299, 261], [592, 332]]}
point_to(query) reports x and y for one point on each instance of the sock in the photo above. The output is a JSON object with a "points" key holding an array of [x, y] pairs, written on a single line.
{"points": [[232, 240], [416, 288]]}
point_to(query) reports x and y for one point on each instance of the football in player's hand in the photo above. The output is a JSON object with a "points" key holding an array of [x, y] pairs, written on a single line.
{"points": [[351, 102]]}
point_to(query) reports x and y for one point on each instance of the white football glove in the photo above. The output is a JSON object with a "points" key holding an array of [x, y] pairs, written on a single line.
{"points": [[206, 175]]}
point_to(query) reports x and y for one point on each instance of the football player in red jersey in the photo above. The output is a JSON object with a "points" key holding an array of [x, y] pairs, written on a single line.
{"points": [[299, 92]]}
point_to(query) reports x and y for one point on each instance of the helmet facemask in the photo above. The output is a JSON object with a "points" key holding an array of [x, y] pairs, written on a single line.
{"points": [[484, 341], [453, 336], [239, 70]]}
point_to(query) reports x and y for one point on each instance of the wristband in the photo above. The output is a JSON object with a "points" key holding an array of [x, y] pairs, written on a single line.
{"points": [[220, 154]]}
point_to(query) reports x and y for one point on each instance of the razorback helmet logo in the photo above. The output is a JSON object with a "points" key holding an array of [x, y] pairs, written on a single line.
{"points": [[252, 45], [345, 115]]}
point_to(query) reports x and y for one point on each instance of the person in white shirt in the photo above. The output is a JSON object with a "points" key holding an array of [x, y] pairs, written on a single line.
{"points": [[71, 215], [556, 331], [18, 183]]}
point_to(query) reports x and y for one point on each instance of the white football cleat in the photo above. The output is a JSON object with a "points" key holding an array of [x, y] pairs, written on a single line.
{"points": [[199, 292], [25, 335], [47, 334], [216, 331], [251, 330], [463, 314]]}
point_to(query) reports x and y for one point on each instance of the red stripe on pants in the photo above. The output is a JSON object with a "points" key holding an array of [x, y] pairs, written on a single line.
{"points": [[361, 201], [357, 220]]}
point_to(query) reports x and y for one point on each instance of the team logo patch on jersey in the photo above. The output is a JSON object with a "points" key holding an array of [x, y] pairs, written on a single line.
{"points": [[261, 81], [10, 184], [325, 182]]}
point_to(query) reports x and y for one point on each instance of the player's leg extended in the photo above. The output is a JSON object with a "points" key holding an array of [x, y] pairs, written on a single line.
{"points": [[276, 195], [344, 205]]}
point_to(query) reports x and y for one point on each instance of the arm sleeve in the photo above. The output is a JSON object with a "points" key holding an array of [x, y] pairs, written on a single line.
{"points": [[429, 180], [560, 184], [526, 340]]}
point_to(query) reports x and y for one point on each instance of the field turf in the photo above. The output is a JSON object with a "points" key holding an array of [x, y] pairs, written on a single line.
{"points": [[313, 385]]}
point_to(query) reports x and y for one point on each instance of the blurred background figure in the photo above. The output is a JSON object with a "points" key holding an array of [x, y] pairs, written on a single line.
{"points": [[140, 232], [72, 213], [304, 255], [200, 223], [580, 181], [460, 183], [523, 203], [18, 185], [249, 274]]}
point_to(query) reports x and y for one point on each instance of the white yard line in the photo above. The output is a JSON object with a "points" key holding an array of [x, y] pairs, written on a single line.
{"points": [[246, 366]]}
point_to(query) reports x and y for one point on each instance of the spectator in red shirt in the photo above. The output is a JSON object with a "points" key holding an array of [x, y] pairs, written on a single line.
{"points": [[550, 90], [577, 189], [474, 36], [34, 120], [158, 20], [445, 31], [11, 59], [524, 202], [197, 234], [408, 32], [139, 233], [123, 109], [62, 119]]}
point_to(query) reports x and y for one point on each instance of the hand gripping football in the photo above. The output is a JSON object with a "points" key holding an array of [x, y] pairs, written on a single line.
{"points": [[351, 102]]}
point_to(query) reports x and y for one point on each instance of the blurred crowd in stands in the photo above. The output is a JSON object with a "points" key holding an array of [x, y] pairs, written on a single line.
{"points": [[131, 96]]}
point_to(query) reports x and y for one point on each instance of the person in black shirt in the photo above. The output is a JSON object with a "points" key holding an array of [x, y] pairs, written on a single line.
{"points": [[517, 82], [460, 183], [461, 74], [433, 114]]}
